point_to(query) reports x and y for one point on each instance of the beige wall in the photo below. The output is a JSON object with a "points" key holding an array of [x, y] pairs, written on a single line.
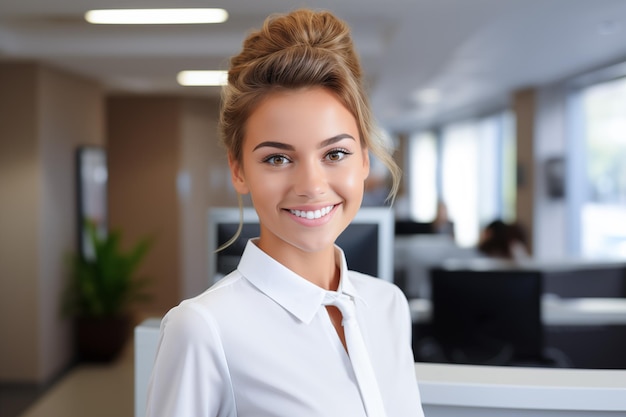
{"points": [[143, 144], [524, 108], [203, 182], [20, 173], [71, 114], [166, 170], [153, 144], [44, 115]]}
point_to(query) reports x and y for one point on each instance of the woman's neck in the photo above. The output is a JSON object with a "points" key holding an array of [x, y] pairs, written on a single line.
{"points": [[319, 267]]}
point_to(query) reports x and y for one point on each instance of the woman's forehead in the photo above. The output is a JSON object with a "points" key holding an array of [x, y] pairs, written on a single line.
{"points": [[314, 114]]}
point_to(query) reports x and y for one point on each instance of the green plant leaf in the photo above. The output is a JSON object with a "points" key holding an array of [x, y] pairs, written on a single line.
{"points": [[105, 284]]}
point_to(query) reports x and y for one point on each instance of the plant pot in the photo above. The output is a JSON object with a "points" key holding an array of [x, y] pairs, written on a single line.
{"points": [[100, 339]]}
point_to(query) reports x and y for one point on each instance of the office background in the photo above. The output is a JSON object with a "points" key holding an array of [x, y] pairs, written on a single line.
{"points": [[165, 169]]}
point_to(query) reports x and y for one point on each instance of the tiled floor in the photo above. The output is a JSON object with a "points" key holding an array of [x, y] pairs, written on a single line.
{"points": [[90, 390]]}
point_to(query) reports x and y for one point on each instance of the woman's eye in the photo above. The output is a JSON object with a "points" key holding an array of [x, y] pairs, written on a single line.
{"points": [[276, 160], [337, 154]]}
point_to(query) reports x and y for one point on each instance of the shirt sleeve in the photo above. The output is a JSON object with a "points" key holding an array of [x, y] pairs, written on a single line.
{"points": [[410, 388], [404, 317], [190, 376]]}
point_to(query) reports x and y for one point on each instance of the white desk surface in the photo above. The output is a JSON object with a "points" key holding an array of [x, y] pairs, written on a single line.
{"points": [[555, 311]]}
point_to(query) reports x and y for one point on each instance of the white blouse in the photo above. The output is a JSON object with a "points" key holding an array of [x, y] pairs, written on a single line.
{"points": [[260, 343]]}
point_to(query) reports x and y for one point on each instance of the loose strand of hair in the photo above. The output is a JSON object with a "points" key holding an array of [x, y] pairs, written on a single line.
{"points": [[239, 227]]}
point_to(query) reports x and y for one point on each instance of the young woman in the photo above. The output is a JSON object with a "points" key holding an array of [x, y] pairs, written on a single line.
{"points": [[268, 339]]}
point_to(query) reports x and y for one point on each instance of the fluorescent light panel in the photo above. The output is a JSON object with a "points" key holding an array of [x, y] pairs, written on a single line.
{"points": [[202, 78], [156, 16]]}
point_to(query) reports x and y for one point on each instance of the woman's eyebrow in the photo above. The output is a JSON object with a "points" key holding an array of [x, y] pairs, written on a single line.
{"points": [[335, 139], [287, 147], [271, 144]]}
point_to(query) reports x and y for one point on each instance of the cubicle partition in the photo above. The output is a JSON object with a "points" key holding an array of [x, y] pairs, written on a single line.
{"points": [[581, 305], [585, 280], [591, 287]]}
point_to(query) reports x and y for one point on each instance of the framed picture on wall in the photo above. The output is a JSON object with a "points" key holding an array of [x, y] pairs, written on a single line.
{"points": [[91, 193], [555, 177]]}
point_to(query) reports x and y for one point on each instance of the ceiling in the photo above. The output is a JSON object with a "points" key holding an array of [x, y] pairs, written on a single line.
{"points": [[473, 52]]}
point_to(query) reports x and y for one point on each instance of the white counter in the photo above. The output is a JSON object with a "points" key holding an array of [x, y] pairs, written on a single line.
{"points": [[146, 341], [468, 390]]}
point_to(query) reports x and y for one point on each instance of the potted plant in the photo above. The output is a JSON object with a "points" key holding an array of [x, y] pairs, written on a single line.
{"points": [[101, 288]]}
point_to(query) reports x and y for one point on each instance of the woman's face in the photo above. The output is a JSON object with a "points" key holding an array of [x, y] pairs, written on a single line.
{"points": [[304, 167]]}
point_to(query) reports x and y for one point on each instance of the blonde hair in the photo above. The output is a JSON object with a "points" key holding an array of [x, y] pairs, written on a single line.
{"points": [[304, 48]]}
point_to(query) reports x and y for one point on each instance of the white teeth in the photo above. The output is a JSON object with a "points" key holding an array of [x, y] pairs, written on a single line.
{"points": [[312, 214]]}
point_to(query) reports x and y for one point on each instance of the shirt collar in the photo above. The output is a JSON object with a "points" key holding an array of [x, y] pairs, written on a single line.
{"points": [[294, 293]]}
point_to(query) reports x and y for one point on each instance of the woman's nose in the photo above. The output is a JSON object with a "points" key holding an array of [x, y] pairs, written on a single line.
{"points": [[309, 179]]}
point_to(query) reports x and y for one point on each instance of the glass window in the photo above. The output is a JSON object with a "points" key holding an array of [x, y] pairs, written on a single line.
{"points": [[459, 180], [470, 167], [602, 213], [422, 171], [478, 174]]}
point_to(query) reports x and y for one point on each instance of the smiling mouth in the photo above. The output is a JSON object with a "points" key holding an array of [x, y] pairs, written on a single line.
{"points": [[313, 214]]}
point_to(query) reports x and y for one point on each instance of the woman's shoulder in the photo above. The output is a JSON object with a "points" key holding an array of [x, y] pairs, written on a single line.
{"points": [[384, 299], [369, 286], [206, 308]]}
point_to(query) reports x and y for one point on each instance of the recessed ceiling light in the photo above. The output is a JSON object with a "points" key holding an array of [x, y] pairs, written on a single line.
{"points": [[428, 96], [202, 78], [155, 16]]}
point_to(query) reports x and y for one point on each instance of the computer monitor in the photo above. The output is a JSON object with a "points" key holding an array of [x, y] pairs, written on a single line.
{"points": [[488, 317], [367, 242], [410, 227]]}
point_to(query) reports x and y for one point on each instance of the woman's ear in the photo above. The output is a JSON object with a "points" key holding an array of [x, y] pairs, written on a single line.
{"points": [[237, 176], [366, 164]]}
